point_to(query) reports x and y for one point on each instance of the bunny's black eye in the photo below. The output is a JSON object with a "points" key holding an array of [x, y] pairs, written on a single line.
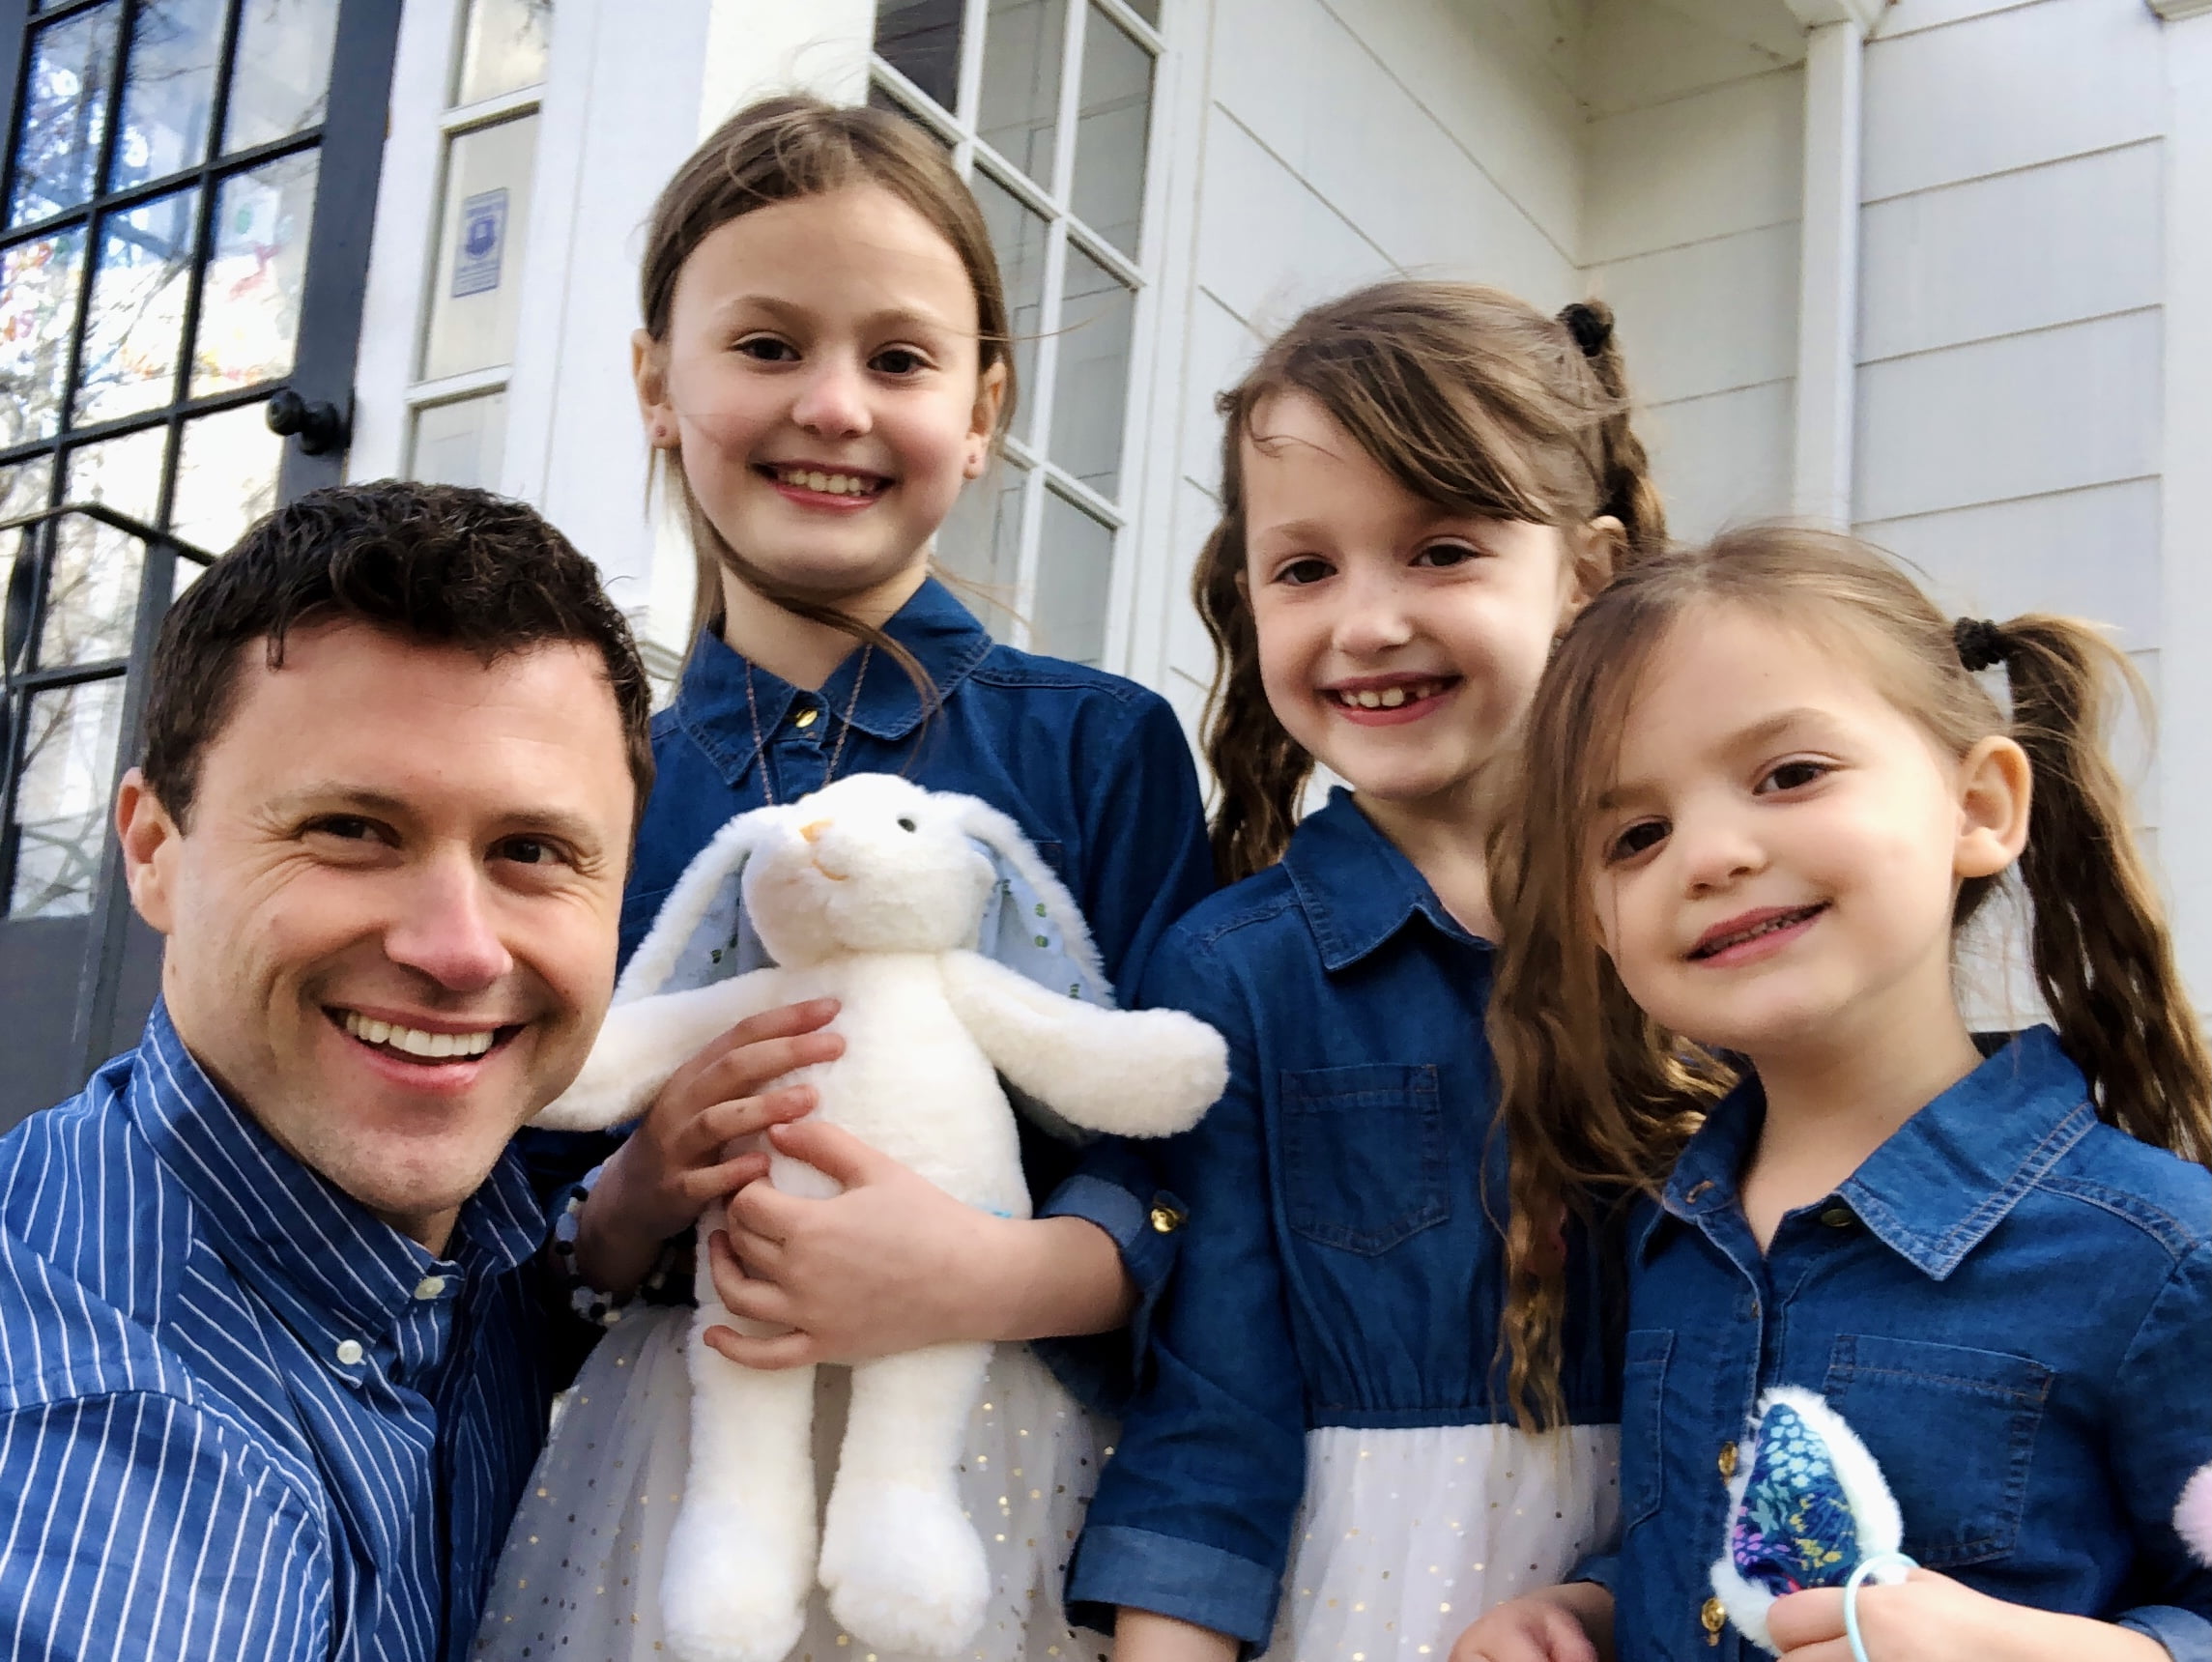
{"points": [[906, 825]]}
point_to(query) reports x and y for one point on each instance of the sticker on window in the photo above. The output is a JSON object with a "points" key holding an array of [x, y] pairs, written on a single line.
{"points": [[483, 237]]}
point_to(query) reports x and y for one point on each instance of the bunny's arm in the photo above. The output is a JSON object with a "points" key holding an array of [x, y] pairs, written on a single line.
{"points": [[1132, 1073], [641, 1042]]}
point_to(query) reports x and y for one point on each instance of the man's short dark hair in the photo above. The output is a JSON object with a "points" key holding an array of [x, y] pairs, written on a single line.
{"points": [[437, 564]]}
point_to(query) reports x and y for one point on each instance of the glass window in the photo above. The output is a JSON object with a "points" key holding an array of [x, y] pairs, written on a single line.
{"points": [[1018, 235], [249, 300], [1110, 128], [1074, 568], [134, 327], [91, 593], [1091, 386], [979, 546], [280, 83], [920, 39], [461, 443], [504, 46], [170, 94], [39, 283], [24, 489], [226, 476], [61, 797], [125, 474], [65, 113], [1021, 98], [479, 283]]}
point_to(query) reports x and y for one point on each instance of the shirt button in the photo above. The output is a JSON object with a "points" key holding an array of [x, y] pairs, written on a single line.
{"points": [[806, 718], [430, 1286], [1712, 1619], [1167, 1216], [1838, 1217], [1699, 1190], [350, 1352], [1727, 1461]]}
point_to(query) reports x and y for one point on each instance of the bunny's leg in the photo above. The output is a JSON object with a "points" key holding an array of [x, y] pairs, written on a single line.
{"points": [[740, 1556], [902, 1562]]}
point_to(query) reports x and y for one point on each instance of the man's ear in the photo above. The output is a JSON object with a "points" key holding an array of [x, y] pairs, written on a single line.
{"points": [[983, 421], [649, 373], [1996, 787], [150, 841]]}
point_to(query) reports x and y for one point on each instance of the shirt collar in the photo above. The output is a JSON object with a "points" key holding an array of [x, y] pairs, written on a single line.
{"points": [[716, 707], [1356, 885], [1947, 1178], [331, 1268]]}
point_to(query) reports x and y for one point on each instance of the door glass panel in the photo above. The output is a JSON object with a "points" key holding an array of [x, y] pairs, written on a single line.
{"points": [[920, 39], [61, 797], [1108, 194], [65, 113], [92, 591], [481, 240], [170, 93], [226, 476], [281, 81], [1019, 236], [1074, 564], [1097, 313], [1020, 101], [125, 474], [38, 306], [135, 325], [250, 300], [502, 47], [980, 546], [1148, 9], [461, 443]]}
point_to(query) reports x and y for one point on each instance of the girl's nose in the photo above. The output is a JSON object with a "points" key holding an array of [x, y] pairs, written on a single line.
{"points": [[1716, 850], [833, 402], [1375, 618]]}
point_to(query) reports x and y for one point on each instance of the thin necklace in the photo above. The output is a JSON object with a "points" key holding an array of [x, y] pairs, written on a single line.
{"points": [[844, 727]]}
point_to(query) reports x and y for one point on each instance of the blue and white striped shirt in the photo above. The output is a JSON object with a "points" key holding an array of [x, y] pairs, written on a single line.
{"points": [[240, 1416]]}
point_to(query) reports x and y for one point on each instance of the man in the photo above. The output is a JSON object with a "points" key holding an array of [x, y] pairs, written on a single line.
{"points": [[273, 1354]]}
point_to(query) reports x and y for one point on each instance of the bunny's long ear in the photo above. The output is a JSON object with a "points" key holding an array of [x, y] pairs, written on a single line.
{"points": [[1032, 923], [701, 934]]}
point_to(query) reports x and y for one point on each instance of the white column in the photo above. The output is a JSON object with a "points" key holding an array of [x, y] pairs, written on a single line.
{"points": [[755, 47], [2185, 656]]}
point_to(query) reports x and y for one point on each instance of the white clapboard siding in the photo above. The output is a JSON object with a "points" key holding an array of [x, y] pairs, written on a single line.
{"points": [[1725, 160], [1709, 316]]}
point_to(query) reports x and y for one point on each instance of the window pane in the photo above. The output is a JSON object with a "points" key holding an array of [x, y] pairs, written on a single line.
{"points": [[920, 39], [61, 800], [38, 308], [1022, 82], [462, 443], [125, 474], [1108, 194], [135, 327], [171, 89], [92, 589], [481, 241], [979, 546], [226, 476], [65, 113], [281, 81], [23, 490], [502, 47], [1148, 9], [1092, 382], [1074, 564], [1017, 235], [879, 97], [250, 300]]}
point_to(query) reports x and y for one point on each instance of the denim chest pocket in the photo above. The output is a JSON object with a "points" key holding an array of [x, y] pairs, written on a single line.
{"points": [[1363, 1155], [1642, 1394], [1953, 1430]]}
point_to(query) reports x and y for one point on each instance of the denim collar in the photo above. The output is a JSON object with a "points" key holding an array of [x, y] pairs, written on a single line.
{"points": [[1948, 1177], [713, 706], [1357, 887], [329, 1267]]}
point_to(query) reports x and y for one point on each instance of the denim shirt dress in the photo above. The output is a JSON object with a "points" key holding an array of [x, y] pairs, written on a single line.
{"points": [[2010, 1302], [1339, 1288]]}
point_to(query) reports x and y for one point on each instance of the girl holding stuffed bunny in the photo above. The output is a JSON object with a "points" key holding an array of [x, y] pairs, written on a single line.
{"points": [[1422, 482], [825, 361], [1899, 1288]]}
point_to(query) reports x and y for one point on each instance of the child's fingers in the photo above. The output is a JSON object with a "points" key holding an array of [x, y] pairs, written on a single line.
{"points": [[1826, 1650], [723, 1123], [834, 1152], [1801, 1619], [747, 1070], [703, 1186], [769, 1354], [764, 1209]]}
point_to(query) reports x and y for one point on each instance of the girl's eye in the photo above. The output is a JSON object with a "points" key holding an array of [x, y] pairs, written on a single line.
{"points": [[898, 360], [1638, 839], [1299, 573], [1793, 774], [1446, 555], [767, 349]]}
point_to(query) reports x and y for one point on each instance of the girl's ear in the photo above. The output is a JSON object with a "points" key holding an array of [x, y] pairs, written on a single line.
{"points": [[648, 372], [1594, 552], [983, 421], [1996, 787]]}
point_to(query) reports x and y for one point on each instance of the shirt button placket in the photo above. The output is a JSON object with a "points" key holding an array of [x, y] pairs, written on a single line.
{"points": [[1727, 1461], [1712, 1618]]}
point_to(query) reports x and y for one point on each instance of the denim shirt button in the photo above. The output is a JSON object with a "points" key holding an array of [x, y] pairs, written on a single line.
{"points": [[1712, 1618], [1167, 1216], [1838, 1217], [806, 718], [1727, 1461]]}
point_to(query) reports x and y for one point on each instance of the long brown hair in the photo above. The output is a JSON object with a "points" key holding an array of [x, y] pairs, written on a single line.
{"points": [[1597, 1097], [783, 150], [1472, 400]]}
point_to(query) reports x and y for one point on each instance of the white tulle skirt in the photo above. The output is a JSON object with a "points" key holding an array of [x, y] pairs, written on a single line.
{"points": [[1407, 1537], [580, 1575]]}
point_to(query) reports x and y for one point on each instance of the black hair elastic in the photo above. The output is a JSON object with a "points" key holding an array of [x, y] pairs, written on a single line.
{"points": [[1981, 644], [1591, 329]]}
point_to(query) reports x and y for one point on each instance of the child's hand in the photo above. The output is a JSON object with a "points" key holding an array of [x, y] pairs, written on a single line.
{"points": [[1930, 1618], [675, 1165], [895, 1263], [1554, 1625]]}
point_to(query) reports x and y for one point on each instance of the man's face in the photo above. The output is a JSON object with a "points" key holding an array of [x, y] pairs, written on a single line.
{"points": [[391, 924]]}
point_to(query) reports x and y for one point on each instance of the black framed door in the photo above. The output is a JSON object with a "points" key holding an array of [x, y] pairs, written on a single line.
{"points": [[185, 204]]}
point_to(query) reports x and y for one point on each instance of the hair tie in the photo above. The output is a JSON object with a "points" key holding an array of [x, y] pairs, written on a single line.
{"points": [[1981, 644], [1591, 327]]}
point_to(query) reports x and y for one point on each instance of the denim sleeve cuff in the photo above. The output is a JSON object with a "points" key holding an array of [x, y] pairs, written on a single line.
{"points": [[1602, 1568], [2186, 1635], [1146, 1233], [1116, 1565]]}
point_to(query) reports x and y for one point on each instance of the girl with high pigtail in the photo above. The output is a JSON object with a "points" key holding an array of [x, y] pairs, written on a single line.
{"points": [[1421, 484], [1919, 1320]]}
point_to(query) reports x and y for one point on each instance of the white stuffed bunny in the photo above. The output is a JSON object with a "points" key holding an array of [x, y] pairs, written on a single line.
{"points": [[871, 890]]}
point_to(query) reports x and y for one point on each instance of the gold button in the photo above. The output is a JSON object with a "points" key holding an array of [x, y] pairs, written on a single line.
{"points": [[1712, 1619], [1167, 1217], [1838, 1217], [805, 718], [1727, 1461]]}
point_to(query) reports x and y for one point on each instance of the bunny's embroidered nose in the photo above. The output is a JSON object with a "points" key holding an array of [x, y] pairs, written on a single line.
{"points": [[813, 833]]}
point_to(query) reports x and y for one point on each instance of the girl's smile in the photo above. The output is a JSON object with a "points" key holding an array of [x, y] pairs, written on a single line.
{"points": [[1390, 700]]}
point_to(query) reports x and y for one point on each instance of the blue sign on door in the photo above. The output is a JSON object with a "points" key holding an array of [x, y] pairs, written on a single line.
{"points": [[484, 238]]}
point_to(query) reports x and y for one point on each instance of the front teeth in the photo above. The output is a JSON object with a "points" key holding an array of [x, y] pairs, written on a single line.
{"points": [[1390, 697], [831, 484], [432, 1046]]}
